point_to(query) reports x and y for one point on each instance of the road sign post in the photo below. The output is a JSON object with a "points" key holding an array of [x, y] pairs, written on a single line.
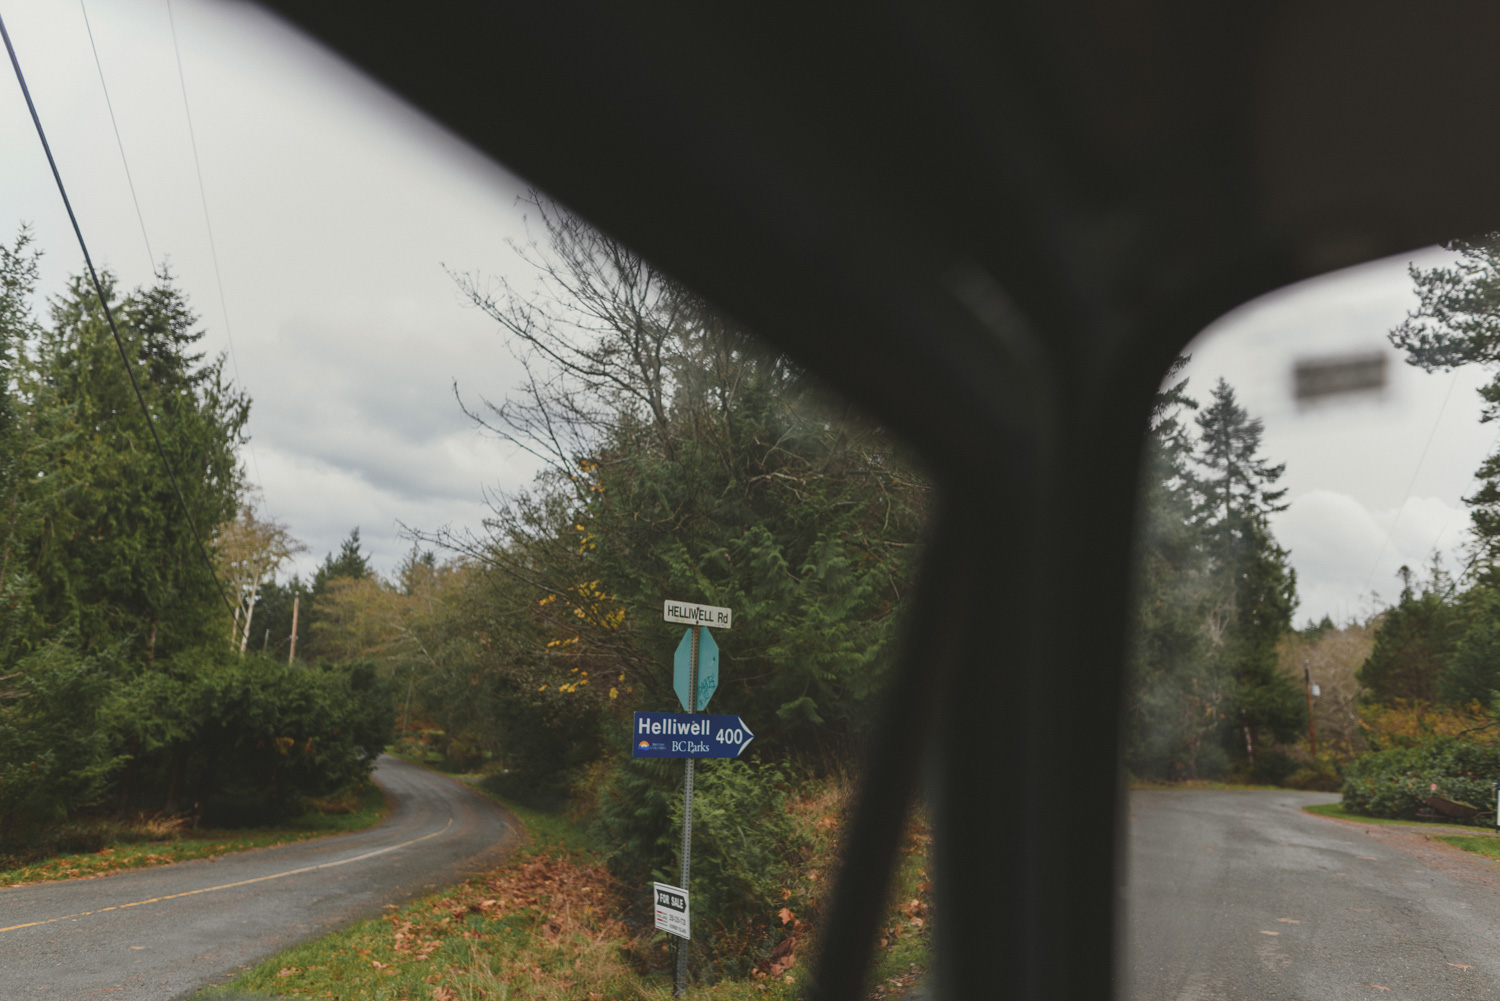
{"points": [[694, 696], [687, 811]]}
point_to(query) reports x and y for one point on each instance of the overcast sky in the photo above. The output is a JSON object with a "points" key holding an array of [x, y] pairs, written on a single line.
{"points": [[1364, 498], [334, 209]]}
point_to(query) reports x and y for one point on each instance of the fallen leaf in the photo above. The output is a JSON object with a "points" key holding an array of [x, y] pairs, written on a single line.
{"points": [[1461, 966], [1372, 858], [786, 915], [1264, 932], [1289, 921]]}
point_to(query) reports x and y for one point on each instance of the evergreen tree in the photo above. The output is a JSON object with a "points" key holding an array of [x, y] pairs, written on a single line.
{"points": [[313, 632], [1415, 642], [1256, 585], [1457, 322], [118, 559], [1176, 698], [1472, 674]]}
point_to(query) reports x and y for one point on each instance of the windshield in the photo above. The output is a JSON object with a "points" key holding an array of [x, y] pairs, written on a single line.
{"points": [[352, 486], [1310, 743]]}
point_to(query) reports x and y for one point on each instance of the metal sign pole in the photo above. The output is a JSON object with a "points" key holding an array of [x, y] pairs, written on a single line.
{"points": [[687, 815]]}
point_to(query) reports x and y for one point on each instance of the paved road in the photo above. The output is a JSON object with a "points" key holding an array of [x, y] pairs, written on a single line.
{"points": [[1236, 895], [158, 934]]}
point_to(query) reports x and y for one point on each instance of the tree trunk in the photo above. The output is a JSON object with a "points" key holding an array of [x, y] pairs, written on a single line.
{"points": [[1249, 746], [151, 646], [127, 781], [174, 778]]}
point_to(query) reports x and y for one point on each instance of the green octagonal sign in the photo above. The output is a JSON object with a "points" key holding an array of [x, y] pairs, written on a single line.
{"points": [[708, 669]]}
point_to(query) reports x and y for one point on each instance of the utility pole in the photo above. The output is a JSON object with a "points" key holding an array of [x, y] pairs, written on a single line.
{"points": [[1312, 726], [293, 655]]}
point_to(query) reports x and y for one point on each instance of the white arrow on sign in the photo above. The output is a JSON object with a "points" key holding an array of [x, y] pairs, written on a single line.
{"points": [[689, 614]]}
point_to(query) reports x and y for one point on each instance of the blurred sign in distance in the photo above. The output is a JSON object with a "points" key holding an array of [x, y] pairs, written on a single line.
{"points": [[1317, 379], [687, 613], [708, 669], [688, 735], [671, 907]]}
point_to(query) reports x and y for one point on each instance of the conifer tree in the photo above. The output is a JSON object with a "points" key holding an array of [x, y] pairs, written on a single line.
{"points": [[1457, 322], [1256, 586]]}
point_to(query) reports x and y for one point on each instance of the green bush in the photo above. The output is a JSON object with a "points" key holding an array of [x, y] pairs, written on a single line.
{"points": [[745, 845], [1318, 776], [1272, 766], [1394, 783], [53, 756]]}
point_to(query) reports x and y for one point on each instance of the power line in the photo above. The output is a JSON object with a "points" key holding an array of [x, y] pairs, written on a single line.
{"points": [[213, 250], [1407, 496], [109, 314], [118, 141]]}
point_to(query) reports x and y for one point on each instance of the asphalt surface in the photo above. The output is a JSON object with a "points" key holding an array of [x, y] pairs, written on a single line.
{"points": [[1235, 895], [162, 933]]}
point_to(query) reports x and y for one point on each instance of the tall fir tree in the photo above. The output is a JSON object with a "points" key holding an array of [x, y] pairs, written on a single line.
{"points": [[1257, 588], [1457, 322]]}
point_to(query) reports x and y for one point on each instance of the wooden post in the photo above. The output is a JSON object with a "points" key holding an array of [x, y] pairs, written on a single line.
{"points": [[293, 655], [249, 615], [1312, 727]]}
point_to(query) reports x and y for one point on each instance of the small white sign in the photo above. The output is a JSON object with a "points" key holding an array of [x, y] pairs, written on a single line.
{"points": [[671, 908], [688, 614]]}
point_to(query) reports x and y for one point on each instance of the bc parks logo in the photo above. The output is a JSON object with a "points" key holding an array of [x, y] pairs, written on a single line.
{"points": [[644, 743], [647, 745]]}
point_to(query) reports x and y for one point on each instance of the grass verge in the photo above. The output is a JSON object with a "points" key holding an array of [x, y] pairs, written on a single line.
{"points": [[1338, 812], [1480, 844], [551, 923], [1140, 784], [162, 842]]}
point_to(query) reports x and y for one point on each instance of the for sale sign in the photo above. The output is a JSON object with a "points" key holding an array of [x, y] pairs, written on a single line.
{"points": [[671, 909]]}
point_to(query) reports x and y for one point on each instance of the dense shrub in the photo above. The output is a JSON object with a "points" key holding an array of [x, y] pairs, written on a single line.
{"points": [[745, 844], [1395, 782], [1321, 775], [272, 733], [1272, 766], [53, 757]]}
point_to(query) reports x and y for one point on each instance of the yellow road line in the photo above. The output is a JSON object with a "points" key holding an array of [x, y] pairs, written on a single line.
{"points": [[230, 886]]}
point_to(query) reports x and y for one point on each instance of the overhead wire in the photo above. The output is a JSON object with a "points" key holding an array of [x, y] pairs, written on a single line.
{"points": [[213, 250], [140, 218], [109, 314], [1412, 483]]}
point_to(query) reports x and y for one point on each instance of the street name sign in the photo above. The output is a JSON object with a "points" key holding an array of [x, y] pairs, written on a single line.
{"points": [[689, 735], [671, 907], [688, 614], [708, 669]]}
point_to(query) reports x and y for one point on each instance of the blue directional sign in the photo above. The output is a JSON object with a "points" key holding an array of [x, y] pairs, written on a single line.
{"points": [[708, 669], [688, 735]]}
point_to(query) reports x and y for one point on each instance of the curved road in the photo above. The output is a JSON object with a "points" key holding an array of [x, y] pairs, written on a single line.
{"points": [[1243, 895], [161, 933]]}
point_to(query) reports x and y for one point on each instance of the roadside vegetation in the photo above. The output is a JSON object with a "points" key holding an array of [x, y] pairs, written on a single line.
{"points": [[100, 847], [678, 459], [554, 922], [132, 703]]}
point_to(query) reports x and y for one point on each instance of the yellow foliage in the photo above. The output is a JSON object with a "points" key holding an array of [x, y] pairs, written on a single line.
{"points": [[1406, 722]]}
